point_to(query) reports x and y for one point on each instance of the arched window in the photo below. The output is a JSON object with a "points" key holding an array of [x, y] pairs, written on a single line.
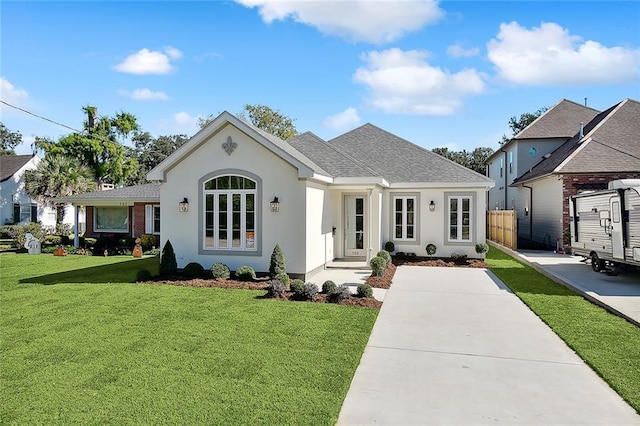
{"points": [[230, 213]]}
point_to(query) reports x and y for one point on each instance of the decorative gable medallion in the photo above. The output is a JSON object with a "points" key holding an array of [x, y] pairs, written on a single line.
{"points": [[229, 146]]}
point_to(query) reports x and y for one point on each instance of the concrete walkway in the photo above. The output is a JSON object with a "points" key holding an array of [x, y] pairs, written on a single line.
{"points": [[455, 346], [619, 293]]}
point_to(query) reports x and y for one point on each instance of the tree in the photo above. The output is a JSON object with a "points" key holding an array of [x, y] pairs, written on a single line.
{"points": [[270, 121], [9, 140], [149, 152], [98, 146], [518, 124], [474, 160], [58, 176]]}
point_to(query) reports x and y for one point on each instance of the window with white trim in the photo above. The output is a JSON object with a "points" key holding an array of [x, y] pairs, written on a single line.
{"points": [[111, 219], [230, 213], [404, 218], [460, 218], [511, 162], [152, 219]]}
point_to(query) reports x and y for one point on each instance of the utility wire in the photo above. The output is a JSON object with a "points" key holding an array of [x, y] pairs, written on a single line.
{"points": [[40, 117]]}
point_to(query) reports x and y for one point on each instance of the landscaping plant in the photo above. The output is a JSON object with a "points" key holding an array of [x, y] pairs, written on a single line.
{"points": [[328, 286], [431, 249], [377, 265], [168, 264], [385, 255], [277, 265], [245, 273], [193, 270], [220, 271], [364, 290]]}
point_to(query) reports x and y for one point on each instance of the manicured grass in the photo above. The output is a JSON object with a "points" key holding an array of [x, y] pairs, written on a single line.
{"points": [[609, 344], [78, 350]]}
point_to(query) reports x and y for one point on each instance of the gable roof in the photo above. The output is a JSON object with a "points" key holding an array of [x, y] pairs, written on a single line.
{"points": [[10, 164], [148, 192], [306, 167], [398, 160], [611, 143], [561, 121]]}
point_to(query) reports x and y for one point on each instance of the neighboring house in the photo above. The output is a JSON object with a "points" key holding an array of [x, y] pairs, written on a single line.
{"points": [[16, 207], [606, 148], [232, 192], [526, 149], [130, 211]]}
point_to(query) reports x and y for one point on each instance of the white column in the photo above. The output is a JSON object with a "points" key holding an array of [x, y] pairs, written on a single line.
{"points": [[369, 228], [76, 225]]}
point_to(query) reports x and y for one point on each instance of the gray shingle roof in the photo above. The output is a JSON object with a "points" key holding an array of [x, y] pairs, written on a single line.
{"points": [[10, 164], [329, 158], [611, 143], [561, 120], [144, 192], [398, 160]]}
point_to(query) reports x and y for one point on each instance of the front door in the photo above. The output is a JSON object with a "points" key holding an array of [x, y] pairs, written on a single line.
{"points": [[354, 220], [616, 228]]}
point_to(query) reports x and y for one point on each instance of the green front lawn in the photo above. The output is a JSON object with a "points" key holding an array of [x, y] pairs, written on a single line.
{"points": [[609, 344], [81, 344]]}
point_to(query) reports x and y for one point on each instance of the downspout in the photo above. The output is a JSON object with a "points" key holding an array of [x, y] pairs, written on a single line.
{"points": [[530, 211]]}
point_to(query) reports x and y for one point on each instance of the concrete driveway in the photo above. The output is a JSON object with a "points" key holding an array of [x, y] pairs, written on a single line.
{"points": [[455, 346]]}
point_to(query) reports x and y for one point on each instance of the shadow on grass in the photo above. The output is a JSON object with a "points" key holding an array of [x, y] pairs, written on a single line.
{"points": [[121, 272]]}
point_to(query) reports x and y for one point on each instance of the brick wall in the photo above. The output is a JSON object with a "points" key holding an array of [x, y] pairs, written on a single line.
{"points": [[572, 185]]}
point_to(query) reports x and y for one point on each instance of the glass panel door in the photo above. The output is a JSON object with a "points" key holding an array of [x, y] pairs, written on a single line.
{"points": [[354, 219]]}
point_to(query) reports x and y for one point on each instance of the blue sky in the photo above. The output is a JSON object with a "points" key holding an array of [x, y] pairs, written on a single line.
{"points": [[447, 73]]}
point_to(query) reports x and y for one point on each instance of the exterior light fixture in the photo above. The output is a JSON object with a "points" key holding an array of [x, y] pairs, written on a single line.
{"points": [[432, 206], [183, 205], [275, 205]]}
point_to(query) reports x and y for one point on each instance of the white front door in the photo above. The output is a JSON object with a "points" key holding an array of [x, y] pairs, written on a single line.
{"points": [[354, 226], [616, 228]]}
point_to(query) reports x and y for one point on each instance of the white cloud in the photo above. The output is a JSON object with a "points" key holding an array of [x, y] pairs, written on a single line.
{"points": [[147, 61], [11, 94], [144, 95], [180, 123], [201, 58], [404, 82], [550, 55], [345, 120], [458, 51], [375, 21]]}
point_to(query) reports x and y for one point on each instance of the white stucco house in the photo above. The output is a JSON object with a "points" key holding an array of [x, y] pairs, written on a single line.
{"points": [[16, 207], [233, 191]]}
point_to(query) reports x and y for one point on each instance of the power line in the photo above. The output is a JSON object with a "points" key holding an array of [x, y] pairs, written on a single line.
{"points": [[40, 117]]}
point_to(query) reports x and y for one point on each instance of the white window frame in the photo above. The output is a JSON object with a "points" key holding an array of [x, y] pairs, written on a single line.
{"points": [[459, 218], [115, 230], [150, 211], [510, 162], [215, 193], [416, 211]]}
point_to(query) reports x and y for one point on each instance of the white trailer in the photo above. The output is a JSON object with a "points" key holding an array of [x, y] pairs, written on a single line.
{"points": [[605, 225]]}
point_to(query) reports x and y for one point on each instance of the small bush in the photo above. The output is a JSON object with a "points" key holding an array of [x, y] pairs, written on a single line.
{"points": [[308, 291], [193, 270], [89, 242], [220, 270], [482, 248], [459, 257], [328, 286], [276, 289], [389, 246], [245, 273], [143, 275], [377, 265], [364, 290], [341, 292], [277, 264], [149, 242], [431, 249], [168, 264], [55, 240], [296, 285], [385, 255], [284, 279]]}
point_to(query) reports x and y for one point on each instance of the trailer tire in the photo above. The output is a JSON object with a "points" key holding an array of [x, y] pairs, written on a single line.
{"points": [[597, 264]]}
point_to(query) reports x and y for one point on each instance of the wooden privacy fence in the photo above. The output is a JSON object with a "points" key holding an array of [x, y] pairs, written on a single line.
{"points": [[502, 227]]}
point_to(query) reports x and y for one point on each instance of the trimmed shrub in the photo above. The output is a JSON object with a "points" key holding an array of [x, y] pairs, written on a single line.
{"points": [[277, 264], [89, 242], [276, 289], [364, 290], [193, 270], [377, 265], [341, 292], [328, 286], [385, 255], [482, 248], [296, 285], [168, 264], [245, 273], [308, 291], [284, 279], [220, 270], [459, 257], [431, 249], [143, 275], [55, 240], [389, 246]]}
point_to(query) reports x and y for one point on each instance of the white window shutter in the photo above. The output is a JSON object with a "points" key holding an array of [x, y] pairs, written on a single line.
{"points": [[148, 219]]}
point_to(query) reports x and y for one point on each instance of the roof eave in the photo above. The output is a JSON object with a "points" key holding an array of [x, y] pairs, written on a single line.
{"points": [[484, 185]]}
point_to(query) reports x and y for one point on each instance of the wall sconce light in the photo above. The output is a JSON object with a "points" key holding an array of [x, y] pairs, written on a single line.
{"points": [[432, 206], [526, 211], [275, 205], [333, 231], [183, 205]]}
